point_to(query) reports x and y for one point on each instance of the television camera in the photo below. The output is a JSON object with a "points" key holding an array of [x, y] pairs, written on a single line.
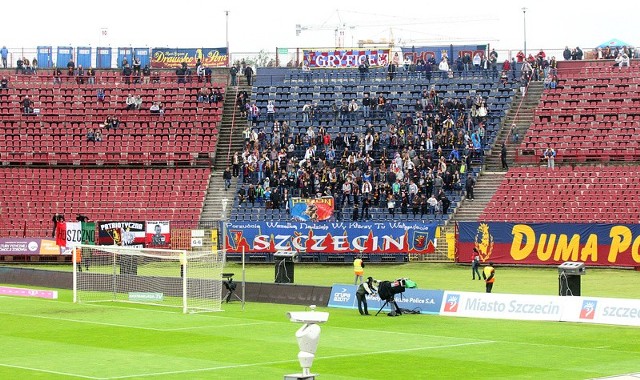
{"points": [[387, 291], [230, 285]]}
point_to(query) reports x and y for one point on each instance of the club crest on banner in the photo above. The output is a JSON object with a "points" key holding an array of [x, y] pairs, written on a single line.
{"points": [[484, 242]]}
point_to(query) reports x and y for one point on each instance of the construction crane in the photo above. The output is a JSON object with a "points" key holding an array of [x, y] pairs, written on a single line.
{"points": [[339, 29], [381, 22]]}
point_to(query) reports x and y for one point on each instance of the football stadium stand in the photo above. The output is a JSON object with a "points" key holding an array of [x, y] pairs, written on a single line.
{"points": [[318, 105], [581, 194], [592, 115], [33, 195], [56, 130]]}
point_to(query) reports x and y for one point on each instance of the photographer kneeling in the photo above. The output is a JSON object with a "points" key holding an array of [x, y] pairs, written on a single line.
{"points": [[366, 288]]}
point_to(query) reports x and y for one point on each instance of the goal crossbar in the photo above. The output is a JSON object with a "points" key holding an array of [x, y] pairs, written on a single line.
{"points": [[191, 280]]}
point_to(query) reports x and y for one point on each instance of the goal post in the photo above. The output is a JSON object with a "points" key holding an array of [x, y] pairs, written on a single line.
{"points": [[190, 280]]}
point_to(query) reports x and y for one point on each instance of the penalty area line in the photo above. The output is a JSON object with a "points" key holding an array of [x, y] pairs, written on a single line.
{"points": [[358, 354], [408, 349], [134, 327], [49, 371], [81, 321], [218, 326]]}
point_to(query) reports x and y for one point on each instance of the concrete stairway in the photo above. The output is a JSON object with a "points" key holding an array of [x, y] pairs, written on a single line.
{"points": [[486, 185], [228, 143], [230, 140], [212, 209], [523, 119]]}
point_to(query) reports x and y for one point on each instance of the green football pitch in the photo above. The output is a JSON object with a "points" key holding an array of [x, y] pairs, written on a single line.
{"points": [[56, 339]]}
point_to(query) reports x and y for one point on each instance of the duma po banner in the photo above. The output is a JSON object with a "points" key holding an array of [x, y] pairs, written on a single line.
{"points": [[550, 243]]}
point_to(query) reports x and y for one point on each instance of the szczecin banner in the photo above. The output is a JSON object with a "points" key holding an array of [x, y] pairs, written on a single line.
{"points": [[331, 237]]}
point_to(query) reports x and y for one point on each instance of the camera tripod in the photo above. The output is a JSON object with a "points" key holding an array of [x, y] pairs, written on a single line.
{"points": [[230, 286], [394, 306]]}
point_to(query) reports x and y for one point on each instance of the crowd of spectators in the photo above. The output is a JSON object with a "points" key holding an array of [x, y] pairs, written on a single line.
{"points": [[414, 164], [616, 53], [242, 68], [134, 73], [209, 95], [26, 67]]}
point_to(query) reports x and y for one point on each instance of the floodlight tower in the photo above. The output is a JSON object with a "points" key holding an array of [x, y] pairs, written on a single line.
{"points": [[524, 17]]}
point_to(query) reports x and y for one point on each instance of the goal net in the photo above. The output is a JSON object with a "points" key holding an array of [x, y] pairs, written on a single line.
{"points": [[191, 280]]}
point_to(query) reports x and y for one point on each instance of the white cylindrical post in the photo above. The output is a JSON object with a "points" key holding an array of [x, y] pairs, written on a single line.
{"points": [[184, 262], [75, 276], [243, 278], [524, 22]]}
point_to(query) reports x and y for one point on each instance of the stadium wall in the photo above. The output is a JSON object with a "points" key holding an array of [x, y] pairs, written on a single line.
{"points": [[254, 292]]}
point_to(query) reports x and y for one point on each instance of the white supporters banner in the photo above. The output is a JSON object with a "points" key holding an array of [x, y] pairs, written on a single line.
{"points": [[69, 234], [502, 306], [158, 234]]}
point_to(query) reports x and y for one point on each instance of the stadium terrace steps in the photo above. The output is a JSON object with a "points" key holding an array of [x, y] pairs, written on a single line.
{"points": [[486, 186], [231, 127], [212, 208], [523, 118]]}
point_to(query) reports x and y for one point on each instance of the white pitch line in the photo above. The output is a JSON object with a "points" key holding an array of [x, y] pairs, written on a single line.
{"points": [[133, 327], [218, 326], [49, 371], [408, 349], [81, 321], [358, 354]]}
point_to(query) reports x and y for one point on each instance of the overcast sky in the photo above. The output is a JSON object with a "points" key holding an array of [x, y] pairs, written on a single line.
{"points": [[256, 25]]}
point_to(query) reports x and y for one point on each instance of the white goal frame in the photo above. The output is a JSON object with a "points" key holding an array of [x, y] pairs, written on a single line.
{"points": [[191, 280]]}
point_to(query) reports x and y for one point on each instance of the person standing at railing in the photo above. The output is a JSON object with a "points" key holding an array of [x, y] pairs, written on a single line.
{"points": [[248, 73], [146, 74], [503, 156], [233, 71], [71, 66], [27, 66], [306, 72], [91, 75], [5, 54], [80, 75], [392, 70]]}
